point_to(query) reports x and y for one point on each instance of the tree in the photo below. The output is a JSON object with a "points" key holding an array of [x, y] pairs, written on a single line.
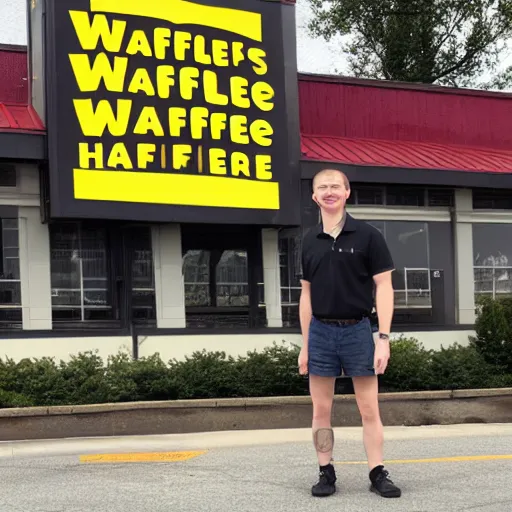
{"points": [[448, 42]]}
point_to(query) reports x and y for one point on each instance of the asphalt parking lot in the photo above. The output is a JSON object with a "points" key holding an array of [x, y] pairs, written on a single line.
{"points": [[440, 469]]}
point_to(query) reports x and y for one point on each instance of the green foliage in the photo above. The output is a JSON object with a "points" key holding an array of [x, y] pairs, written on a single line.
{"points": [[448, 42], [409, 366], [86, 379], [494, 332]]}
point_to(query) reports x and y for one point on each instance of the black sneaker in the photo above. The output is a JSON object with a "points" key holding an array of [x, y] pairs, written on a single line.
{"points": [[326, 482], [382, 484]]}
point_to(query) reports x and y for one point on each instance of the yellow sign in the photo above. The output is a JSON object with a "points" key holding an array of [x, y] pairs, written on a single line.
{"points": [[169, 102]]}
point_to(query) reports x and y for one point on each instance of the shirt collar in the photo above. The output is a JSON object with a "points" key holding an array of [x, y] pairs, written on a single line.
{"points": [[350, 226]]}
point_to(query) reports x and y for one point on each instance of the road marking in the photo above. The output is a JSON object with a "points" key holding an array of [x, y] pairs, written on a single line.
{"points": [[462, 458], [115, 458]]}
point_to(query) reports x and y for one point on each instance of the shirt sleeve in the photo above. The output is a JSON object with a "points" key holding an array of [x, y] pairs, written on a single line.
{"points": [[379, 255]]}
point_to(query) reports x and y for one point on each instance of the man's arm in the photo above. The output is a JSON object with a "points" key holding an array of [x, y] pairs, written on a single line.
{"points": [[305, 315], [305, 311], [384, 300]]}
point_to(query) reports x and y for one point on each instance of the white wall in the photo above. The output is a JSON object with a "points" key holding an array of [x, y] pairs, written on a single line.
{"points": [[62, 348], [177, 347], [13, 22]]}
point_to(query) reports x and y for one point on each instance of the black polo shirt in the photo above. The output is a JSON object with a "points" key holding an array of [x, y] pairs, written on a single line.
{"points": [[341, 271]]}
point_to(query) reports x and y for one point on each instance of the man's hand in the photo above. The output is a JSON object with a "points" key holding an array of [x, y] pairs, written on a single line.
{"points": [[382, 354], [303, 361]]}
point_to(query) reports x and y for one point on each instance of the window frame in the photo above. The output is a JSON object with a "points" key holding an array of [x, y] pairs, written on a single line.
{"points": [[119, 258], [11, 212]]}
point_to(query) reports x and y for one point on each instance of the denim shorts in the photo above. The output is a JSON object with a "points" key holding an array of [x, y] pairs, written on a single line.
{"points": [[347, 350]]}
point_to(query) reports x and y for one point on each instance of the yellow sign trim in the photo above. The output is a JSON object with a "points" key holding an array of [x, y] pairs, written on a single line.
{"points": [[181, 12], [178, 189]]}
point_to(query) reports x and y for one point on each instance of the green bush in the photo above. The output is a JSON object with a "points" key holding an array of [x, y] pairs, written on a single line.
{"points": [[494, 332], [458, 367], [409, 367], [86, 379]]}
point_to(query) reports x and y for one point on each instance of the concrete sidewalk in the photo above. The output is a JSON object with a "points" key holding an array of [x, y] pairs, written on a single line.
{"points": [[231, 439]]}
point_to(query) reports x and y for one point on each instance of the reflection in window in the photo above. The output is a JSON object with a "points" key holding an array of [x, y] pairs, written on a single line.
{"points": [[216, 278], [409, 246], [80, 273], [10, 286], [143, 277], [290, 268], [492, 255]]}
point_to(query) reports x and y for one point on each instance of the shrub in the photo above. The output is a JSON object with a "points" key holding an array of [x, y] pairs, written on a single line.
{"points": [[86, 379], [409, 368], [494, 332], [272, 372], [205, 375], [458, 367]]}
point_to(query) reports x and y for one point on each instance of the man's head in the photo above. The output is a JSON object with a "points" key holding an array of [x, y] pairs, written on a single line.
{"points": [[331, 189]]}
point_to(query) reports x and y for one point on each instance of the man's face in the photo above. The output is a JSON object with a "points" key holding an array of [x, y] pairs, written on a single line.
{"points": [[329, 191]]}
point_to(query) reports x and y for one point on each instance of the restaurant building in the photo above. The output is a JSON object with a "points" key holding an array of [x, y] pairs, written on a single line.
{"points": [[155, 183]]}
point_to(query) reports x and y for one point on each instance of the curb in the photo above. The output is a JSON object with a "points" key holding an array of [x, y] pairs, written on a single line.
{"points": [[186, 416]]}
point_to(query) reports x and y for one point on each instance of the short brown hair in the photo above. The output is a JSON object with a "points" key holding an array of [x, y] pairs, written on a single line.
{"points": [[346, 181]]}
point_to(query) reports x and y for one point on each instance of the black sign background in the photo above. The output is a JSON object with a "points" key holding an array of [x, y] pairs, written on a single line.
{"points": [[64, 132]]}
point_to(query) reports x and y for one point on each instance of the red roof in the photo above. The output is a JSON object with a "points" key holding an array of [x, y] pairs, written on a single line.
{"points": [[387, 153], [19, 118], [378, 109]]}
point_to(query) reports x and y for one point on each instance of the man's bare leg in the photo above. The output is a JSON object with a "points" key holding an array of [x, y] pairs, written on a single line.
{"points": [[322, 395], [367, 396]]}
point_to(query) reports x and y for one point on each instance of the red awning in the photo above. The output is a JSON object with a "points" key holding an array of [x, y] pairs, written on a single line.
{"points": [[388, 153], [15, 117]]}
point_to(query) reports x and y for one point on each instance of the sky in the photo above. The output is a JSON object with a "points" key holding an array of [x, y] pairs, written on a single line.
{"points": [[314, 55]]}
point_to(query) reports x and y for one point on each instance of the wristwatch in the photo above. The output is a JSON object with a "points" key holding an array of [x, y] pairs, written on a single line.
{"points": [[383, 336]]}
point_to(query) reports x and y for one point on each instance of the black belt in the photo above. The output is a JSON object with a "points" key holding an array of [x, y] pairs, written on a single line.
{"points": [[339, 321]]}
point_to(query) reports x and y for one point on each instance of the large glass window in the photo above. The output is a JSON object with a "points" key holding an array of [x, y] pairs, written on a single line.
{"points": [[93, 270], [290, 269], [492, 256], [80, 273], [216, 287], [10, 285], [216, 278], [408, 243], [142, 275], [398, 195]]}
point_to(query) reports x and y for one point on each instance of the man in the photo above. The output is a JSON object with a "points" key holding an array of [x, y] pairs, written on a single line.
{"points": [[342, 260]]}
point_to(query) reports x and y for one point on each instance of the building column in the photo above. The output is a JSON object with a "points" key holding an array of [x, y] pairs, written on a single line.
{"points": [[169, 285], [463, 244], [35, 274], [271, 276]]}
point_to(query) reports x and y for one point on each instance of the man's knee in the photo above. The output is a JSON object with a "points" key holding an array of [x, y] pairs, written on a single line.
{"points": [[369, 413], [322, 409]]}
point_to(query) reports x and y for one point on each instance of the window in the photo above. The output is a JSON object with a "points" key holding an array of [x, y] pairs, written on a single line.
{"points": [[142, 275], [408, 243], [7, 175], [290, 270], [398, 195], [10, 285], [80, 273], [216, 288], [97, 270], [490, 199], [216, 278], [492, 256]]}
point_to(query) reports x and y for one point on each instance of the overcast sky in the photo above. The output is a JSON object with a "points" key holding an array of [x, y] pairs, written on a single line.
{"points": [[314, 55]]}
